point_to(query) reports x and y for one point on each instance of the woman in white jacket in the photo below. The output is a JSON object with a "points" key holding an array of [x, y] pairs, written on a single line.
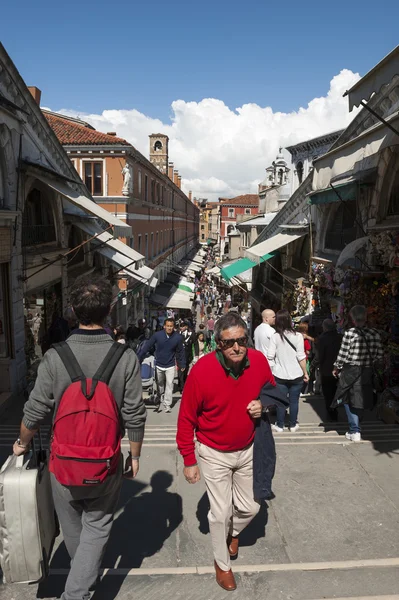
{"points": [[287, 358]]}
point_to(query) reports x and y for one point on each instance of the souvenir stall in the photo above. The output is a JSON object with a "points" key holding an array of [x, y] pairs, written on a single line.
{"points": [[336, 289]]}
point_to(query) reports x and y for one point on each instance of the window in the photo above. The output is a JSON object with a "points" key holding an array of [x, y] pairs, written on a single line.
{"points": [[93, 177], [231, 213], [152, 191], [139, 244], [202, 236], [152, 245], [146, 188], [342, 226], [202, 227], [157, 244], [158, 146], [139, 183], [37, 221], [162, 246], [247, 211], [299, 171], [146, 246], [131, 242]]}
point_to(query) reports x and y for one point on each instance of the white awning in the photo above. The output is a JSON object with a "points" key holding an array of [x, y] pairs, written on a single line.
{"points": [[179, 300], [350, 250], [117, 252], [380, 75], [255, 253], [356, 156], [121, 229]]}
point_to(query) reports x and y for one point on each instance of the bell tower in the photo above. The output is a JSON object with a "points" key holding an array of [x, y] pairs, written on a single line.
{"points": [[159, 151]]}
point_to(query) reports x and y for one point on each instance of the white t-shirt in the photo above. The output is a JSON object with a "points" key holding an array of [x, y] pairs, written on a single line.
{"points": [[262, 336], [283, 359]]}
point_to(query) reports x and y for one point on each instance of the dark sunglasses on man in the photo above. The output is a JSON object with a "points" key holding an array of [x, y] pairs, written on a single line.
{"points": [[241, 341]]}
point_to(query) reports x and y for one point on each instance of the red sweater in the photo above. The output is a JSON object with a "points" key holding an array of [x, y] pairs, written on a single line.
{"points": [[214, 405]]}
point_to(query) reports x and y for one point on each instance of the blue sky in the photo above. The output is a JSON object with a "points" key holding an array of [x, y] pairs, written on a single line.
{"points": [[91, 56], [228, 82]]}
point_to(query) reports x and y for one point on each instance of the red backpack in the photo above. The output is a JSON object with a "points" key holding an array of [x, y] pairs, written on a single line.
{"points": [[86, 438]]}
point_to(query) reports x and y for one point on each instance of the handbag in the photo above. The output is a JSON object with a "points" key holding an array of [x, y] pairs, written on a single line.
{"points": [[376, 377]]}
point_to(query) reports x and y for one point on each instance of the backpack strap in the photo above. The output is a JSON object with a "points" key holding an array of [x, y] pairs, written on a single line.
{"points": [[107, 367], [69, 361]]}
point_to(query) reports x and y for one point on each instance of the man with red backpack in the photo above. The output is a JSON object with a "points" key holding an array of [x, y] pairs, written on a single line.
{"points": [[93, 387]]}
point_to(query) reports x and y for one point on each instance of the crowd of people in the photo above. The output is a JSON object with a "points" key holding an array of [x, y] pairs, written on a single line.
{"points": [[231, 388]]}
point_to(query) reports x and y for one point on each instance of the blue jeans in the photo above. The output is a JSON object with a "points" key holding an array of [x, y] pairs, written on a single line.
{"points": [[354, 418], [292, 389]]}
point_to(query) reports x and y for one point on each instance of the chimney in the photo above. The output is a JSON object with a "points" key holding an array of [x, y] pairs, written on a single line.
{"points": [[36, 93], [179, 181], [170, 171], [113, 133], [175, 177], [190, 196]]}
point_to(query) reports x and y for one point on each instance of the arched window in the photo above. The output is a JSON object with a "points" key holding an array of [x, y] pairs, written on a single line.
{"points": [[281, 176], [38, 222], [299, 171], [230, 228], [342, 226], [158, 146], [393, 204]]}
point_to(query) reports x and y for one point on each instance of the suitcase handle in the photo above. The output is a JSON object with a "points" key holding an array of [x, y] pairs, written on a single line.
{"points": [[19, 463]]}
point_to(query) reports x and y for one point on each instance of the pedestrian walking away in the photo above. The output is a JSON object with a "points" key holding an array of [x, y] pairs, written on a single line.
{"points": [[85, 488], [287, 359], [360, 348], [169, 350], [328, 346], [264, 331], [221, 405]]}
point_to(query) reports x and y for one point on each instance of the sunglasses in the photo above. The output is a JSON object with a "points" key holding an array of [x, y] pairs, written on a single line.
{"points": [[242, 341]]}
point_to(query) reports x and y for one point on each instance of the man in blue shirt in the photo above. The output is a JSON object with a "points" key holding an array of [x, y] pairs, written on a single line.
{"points": [[169, 349]]}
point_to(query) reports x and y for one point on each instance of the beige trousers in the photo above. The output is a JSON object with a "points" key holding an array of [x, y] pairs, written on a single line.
{"points": [[228, 479]]}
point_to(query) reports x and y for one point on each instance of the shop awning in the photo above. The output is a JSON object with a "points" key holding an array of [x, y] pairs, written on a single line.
{"points": [[117, 252], [354, 159], [179, 300], [240, 266], [380, 75], [186, 286], [258, 252], [84, 203], [350, 250]]}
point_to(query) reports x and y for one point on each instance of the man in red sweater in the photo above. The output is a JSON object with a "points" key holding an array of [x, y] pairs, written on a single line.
{"points": [[220, 405]]}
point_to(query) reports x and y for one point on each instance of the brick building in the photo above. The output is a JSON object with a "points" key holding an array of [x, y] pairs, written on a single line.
{"points": [[233, 210], [146, 194]]}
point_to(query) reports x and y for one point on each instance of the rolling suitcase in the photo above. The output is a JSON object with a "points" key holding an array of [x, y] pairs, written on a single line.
{"points": [[28, 524]]}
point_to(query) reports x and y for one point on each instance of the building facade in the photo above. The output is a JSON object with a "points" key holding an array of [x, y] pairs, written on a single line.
{"points": [[231, 209], [146, 194], [42, 202]]}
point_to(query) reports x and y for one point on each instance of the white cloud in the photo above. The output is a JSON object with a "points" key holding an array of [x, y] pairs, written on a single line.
{"points": [[223, 152]]}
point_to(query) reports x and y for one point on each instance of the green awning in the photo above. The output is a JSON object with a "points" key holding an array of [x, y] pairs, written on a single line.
{"points": [[241, 265], [347, 191], [185, 288]]}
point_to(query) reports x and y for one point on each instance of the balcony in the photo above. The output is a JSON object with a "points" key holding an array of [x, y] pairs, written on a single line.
{"points": [[34, 235]]}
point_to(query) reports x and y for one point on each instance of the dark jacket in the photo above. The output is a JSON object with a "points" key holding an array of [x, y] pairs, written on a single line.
{"points": [[355, 387], [188, 341], [328, 346], [264, 461], [168, 350]]}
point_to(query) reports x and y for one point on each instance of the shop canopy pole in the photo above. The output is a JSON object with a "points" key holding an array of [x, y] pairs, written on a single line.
{"points": [[377, 116]]}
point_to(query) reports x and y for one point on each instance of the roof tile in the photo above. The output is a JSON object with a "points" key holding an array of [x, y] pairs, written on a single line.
{"points": [[245, 199], [71, 133]]}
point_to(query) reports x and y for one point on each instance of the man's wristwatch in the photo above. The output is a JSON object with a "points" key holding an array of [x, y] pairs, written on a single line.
{"points": [[21, 445]]}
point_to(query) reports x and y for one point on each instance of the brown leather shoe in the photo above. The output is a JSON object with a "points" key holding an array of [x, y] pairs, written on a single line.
{"points": [[225, 579], [232, 544]]}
